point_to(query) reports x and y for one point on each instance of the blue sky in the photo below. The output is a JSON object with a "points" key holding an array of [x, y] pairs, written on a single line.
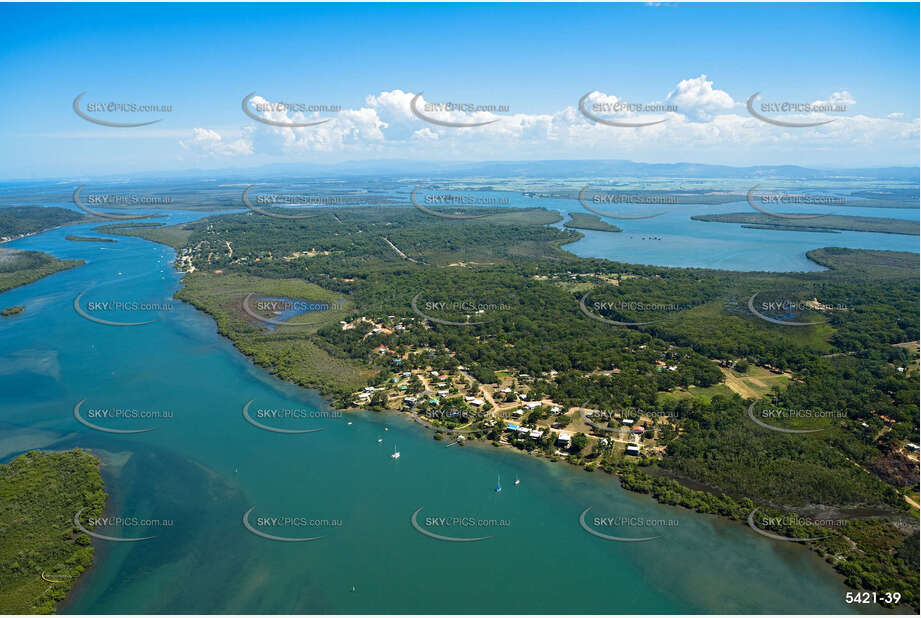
{"points": [[704, 60]]}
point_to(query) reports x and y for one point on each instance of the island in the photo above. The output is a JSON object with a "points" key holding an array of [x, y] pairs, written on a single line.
{"points": [[586, 221], [488, 330], [42, 554], [14, 310], [824, 223], [22, 267], [88, 238]]}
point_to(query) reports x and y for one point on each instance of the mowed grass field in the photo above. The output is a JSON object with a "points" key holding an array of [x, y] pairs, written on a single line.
{"points": [[755, 383], [694, 392]]}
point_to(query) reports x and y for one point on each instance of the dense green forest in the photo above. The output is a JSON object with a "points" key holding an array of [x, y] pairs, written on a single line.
{"points": [[22, 267], [19, 220], [42, 554]]}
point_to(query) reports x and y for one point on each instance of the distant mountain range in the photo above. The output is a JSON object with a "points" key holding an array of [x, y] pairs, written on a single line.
{"points": [[541, 169]]}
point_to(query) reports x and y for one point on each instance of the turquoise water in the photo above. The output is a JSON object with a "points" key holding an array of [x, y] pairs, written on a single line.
{"points": [[204, 466], [674, 239]]}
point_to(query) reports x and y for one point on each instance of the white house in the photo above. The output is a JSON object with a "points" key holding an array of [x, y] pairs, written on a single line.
{"points": [[633, 449], [565, 438]]}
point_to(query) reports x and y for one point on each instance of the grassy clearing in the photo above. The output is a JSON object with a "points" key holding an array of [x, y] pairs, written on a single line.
{"points": [[695, 392], [290, 352], [175, 236]]}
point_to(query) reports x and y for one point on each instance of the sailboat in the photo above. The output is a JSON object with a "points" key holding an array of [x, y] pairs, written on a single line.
{"points": [[517, 481], [396, 453], [379, 440], [498, 484]]}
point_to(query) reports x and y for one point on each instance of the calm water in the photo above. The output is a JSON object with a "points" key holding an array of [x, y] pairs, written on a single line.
{"points": [[204, 466], [674, 239]]}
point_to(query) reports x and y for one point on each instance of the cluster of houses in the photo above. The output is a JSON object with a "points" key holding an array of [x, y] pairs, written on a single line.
{"points": [[533, 405], [564, 439]]}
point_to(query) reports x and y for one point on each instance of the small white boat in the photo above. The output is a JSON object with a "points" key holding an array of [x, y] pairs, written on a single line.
{"points": [[498, 484], [396, 453], [517, 481], [379, 440], [350, 422]]}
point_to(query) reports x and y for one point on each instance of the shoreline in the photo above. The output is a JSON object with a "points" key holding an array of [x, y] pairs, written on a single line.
{"points": [[631, 477]]}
